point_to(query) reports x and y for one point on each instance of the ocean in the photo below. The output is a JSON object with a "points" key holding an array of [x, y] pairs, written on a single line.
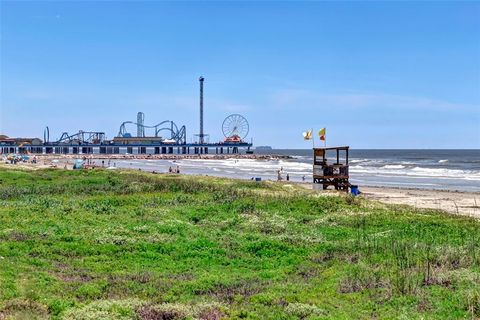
{"points": [[424, 169]]}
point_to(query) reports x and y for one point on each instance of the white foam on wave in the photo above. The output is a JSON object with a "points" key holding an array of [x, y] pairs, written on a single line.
{"points": [[417, 172], [250, 164], [294, 164], [394, 166], [438, 171], [358, 160], [232, 162], [443, 161]]}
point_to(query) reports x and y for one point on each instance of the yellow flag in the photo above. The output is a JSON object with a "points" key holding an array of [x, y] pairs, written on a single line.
{"points": [[321, 133], [308, 134]]}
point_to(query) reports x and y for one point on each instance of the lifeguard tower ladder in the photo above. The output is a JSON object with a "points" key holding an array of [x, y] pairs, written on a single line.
{"points": [[335, 174]]}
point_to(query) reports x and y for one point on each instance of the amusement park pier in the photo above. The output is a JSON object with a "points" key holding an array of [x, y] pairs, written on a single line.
{"points": [[165, 137]]}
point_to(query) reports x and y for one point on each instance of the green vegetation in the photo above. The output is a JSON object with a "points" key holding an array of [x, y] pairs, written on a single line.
{"points": [[130, 245]]}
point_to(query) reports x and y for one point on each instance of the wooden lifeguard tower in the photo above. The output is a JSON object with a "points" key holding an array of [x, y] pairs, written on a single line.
{"points": [[334, 174]]}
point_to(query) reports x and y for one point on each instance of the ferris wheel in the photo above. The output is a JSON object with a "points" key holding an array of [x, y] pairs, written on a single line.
{"points": [[235, 125]]}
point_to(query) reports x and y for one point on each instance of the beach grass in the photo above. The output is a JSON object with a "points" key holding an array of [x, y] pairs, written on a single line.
{"points": [[102, 244]]}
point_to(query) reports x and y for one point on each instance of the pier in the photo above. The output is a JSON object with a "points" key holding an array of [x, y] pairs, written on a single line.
{"points": [[210, 148], [164, 137]]}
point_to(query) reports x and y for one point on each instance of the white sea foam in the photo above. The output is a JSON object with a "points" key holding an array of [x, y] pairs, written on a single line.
{"points": [[393, 166], [358, 160], [442, 161], [397, 170]]}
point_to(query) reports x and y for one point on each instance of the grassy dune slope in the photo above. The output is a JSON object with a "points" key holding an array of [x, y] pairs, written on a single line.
{"points": [[128, 245]]}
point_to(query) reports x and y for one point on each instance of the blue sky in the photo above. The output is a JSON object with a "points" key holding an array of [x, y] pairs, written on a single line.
{"points": [[376, 74]]}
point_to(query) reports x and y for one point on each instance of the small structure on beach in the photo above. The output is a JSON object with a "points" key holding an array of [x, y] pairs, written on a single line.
{"points": [[331, 174]]}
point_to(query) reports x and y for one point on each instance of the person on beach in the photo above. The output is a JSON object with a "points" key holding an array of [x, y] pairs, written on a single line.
{"points": [[170, 170], [178, 169], [303, 178], [288, 177], [279, 176]]}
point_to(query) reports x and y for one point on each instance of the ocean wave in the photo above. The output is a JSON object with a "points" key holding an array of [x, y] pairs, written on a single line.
{"points": [[417, 172], [358, 160], [438, 170], [442, 161], [394, 166]]}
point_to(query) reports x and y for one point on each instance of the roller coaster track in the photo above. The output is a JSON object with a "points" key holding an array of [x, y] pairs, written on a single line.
{"points": [[81, 137], [179, 135]]}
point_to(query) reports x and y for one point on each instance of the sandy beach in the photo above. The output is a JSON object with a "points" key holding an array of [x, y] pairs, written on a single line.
{"points": [[455, 202], [464, 203]]}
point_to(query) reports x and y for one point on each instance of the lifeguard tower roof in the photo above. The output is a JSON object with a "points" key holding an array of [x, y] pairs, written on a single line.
{"points": [[333, 148]]}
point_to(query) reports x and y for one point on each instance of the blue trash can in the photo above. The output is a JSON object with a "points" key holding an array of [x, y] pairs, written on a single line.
{"points": [[354, 190], [258, 179]]}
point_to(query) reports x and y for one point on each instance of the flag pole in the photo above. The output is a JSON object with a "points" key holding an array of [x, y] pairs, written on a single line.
{"points": [[313, 140], [325, 138]]}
